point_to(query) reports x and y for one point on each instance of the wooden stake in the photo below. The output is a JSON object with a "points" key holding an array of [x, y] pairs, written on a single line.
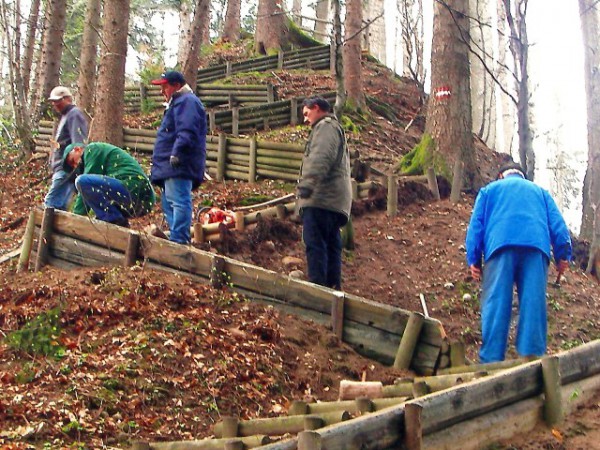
{"points": [[218, 277], [553, 410], [409, 341], [457, 354], [133, 245], [392, 195], [349, 390], [432, 183], [337, 315], [281, 212], [44, 239], [309, 440], [23, 264], [198, 235], [240, 224], [298, 407], [413, 427], [457, 181], [230, 427], [252, 160], [221, 157]]}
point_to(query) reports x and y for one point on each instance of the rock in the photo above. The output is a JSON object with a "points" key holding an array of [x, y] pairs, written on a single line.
{"points": [[297, 274], [292, 261], [448, 285], [467, 298]]}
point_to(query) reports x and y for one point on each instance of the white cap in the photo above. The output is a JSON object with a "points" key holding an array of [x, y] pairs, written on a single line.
{"points": [[59, 92]]}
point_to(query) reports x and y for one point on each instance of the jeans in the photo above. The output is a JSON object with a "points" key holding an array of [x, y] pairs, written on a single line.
{"points": [[60, 192], [528, 269], [177, 207], [323, 241], [107, 197]]}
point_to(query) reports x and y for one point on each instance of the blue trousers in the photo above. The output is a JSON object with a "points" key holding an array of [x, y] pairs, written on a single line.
{"points": [[323, 241], [177, 207], [108, 197], [60, 191], [527, 268]]}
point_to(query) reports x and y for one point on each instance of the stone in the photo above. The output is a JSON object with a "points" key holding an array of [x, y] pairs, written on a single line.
{"points": [[292, 261]]}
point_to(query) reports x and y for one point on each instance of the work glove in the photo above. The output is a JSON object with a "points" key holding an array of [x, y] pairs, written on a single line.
{"points": [[174, 161], [304, 192]]}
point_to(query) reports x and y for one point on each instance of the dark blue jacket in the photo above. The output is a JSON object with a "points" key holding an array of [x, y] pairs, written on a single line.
{"points": [[182, 133]]}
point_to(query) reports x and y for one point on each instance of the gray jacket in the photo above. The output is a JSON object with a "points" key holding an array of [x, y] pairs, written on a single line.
{"points": [[71, 129], [325, 168]]}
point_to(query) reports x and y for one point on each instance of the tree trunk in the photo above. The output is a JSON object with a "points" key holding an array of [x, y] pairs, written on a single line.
{"points": [[190, 65], [449, 110], [185, 27], [376, 29], [297, 12], [108, 120], [591, 185], [52, 47], [232, 27], [338, 60], [321, 13], [353, 81], [89, 52], [32, 23], [410, 14], [271, 28], [35, 86], [18, 98]]}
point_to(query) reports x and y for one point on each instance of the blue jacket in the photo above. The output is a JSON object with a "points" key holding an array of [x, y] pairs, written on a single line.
{"points": [[516, 212], [182, 133]]}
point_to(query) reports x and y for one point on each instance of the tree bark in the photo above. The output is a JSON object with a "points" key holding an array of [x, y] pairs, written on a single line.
{"points": [[353, 81], [338, 61], [190, 65], [108, 126], [590, 224], [321, 13], [185, 26], [232, 27], [449, 120], [271, 27], [376, 29], [52, 47], [89, 52]]}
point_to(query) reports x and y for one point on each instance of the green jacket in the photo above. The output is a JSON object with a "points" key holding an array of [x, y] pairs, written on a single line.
{"points": [[326, 168], [105, 159]]}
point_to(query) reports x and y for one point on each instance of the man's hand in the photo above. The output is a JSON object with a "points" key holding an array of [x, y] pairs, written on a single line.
{"points": [[174, 161], [475, 272], [304, 192]]}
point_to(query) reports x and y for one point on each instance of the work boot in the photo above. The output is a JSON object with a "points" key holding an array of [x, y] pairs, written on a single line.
{"points": [[154, 230]]}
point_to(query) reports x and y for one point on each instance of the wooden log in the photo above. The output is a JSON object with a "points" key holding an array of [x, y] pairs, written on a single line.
{"points": [[139, 132], [198, 235], [211, 444], [140, 445], [280, 146], [457, 354], [23, 264], [230, 427], [509, 363], [283, 154], [553, 411], [432, 183], [222, 157], [234, 444], [298, 407], [350, 390], [309, 440], [337, 315], [409, 340], [441, 382], [44, 239], [83, 253], [133, 245], [420, 389], [280, 425], [413, 429], [507, 421], [392, 196], [312, 422], [400, 389]]}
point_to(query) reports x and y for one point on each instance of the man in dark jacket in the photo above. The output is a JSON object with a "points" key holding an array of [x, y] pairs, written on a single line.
{"points": [[514, 225], [179, 156], [324, 193], [72, 127], [111, 182]]}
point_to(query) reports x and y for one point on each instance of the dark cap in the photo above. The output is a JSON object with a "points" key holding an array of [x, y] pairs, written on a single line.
{"points": [[511, 168], [170, 77]]}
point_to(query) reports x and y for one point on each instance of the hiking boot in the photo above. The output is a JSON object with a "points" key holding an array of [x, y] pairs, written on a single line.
{"points": [[154, 230]]}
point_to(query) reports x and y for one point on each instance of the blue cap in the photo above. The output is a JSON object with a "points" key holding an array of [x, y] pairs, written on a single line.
{"points": [[171, 77]]}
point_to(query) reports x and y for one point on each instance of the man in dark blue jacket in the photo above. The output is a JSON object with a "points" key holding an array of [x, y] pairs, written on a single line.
{"points": [[179, 156], [513, 226]]}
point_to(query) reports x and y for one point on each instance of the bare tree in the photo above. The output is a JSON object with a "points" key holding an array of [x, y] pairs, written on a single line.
{"points": [[108, 120], [185, 30], [375, 30], [590, 227], [413, 35], [338, 59], [11, 25], [449, 109], [353, 82], [232, 27], [89, 53], [190, 65], [32, 28]]}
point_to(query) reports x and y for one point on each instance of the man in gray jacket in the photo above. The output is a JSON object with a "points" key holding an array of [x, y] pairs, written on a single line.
{"points": [[324, 193], [72, 127]]}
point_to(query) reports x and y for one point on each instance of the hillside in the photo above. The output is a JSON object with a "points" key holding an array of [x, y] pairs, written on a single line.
{"points": [[135, 353]]}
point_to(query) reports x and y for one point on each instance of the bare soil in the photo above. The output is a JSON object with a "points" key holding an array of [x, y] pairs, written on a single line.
{"points": [[138, 354]]}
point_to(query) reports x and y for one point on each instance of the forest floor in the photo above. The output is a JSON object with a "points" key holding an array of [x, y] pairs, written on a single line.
{"points": [[94, 358]]}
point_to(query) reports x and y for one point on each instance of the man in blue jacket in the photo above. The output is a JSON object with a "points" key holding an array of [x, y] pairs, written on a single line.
{"points": [[179, 156], [513, 225]]}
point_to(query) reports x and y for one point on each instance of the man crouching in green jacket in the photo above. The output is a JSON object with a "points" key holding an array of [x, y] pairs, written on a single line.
{"points": [[110, 182]]}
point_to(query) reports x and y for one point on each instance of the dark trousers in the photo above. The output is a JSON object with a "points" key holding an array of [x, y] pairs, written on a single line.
{"points": [[321, 236]]}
